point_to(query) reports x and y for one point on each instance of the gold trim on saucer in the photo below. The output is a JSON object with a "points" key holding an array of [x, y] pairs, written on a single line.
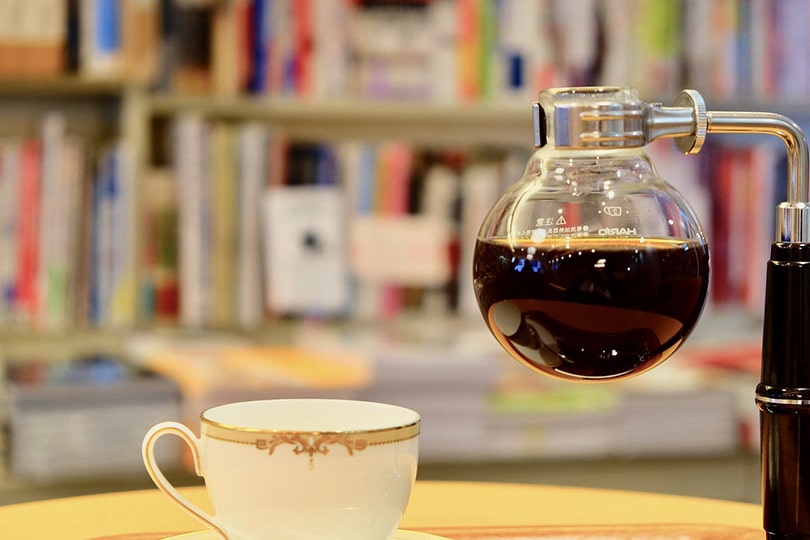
{"points": [[399, 534]]}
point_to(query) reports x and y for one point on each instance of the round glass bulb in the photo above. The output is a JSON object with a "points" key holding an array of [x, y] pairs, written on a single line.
{"points": [[591, 267]]}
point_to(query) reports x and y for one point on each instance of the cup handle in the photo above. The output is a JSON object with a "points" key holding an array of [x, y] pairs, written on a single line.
{"points": [[148, 448]]}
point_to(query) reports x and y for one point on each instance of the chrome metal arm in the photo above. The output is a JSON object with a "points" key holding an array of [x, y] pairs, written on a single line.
{"points": [[603, 124]]}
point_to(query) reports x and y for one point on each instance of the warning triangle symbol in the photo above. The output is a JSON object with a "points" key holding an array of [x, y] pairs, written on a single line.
{"points": [[561, 221]]}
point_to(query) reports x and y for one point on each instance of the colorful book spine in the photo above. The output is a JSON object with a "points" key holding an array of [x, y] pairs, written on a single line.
{"points": [[123, 286], [53, 222], [113, 287], [260, 37], [9, 225], [27, 293], [222, 254], [193, 180], [253, 159], [101, 38], [469, 49], [441, 50], [160, 287]]}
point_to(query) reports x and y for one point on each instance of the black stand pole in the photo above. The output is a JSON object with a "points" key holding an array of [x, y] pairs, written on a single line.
{"points": [[783, 395]]}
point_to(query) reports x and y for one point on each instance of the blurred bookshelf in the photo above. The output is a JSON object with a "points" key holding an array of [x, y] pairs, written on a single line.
{"points": [[156, 157], [427, 124]]}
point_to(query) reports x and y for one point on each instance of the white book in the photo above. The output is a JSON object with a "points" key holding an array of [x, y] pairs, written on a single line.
{"points": [[384, 249], [444, 58], [254, 139], [306, 271], [357, 163], [191, 143], [620, 44], [330, 55], [71, 208], [577, 49], [480, 187], [62, 174], [441, 191], [521, 46], [53, 132]]}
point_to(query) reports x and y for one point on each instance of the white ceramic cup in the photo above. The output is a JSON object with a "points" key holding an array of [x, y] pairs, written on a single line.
{"points": [[299, 468]]}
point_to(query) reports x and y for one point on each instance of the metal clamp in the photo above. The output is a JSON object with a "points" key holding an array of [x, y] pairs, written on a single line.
{"points": [[612, 117]]}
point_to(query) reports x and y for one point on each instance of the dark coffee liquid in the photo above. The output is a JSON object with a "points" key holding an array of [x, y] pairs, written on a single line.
{"points": [[591, 308]]}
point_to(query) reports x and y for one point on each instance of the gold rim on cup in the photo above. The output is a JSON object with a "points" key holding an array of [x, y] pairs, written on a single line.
{"points": [[307, 442]]}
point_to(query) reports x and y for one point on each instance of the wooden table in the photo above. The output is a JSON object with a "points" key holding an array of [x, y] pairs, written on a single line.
{"points": [[458, 510]]}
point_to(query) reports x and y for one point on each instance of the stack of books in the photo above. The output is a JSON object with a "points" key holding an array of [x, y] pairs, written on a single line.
{"points": [[84, 419], [214, 370], [449, 384]]}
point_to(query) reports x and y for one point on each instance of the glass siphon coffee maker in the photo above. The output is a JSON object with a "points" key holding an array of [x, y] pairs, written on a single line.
{"points": [[592, 268]]}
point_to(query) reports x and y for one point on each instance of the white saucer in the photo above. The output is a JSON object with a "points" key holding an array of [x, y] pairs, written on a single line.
{"points": [[398, 535]]}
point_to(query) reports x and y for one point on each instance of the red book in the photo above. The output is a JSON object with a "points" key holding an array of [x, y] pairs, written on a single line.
{"points": [[469, 44], [722, 179], [302, 17], [28, 226]]}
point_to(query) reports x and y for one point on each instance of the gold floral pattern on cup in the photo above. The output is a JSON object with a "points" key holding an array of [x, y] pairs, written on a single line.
{"points": [[308, 443]]}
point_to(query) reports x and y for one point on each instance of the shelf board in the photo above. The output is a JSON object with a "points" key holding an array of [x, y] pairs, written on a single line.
{"points": [[59, 345], [426, 123], [63, 86]]}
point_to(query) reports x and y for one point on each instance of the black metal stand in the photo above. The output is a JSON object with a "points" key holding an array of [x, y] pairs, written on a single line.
{"points": [[783, 395]]}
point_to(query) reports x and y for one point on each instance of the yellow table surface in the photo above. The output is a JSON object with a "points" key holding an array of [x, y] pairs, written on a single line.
{"points": [[433, 505]]}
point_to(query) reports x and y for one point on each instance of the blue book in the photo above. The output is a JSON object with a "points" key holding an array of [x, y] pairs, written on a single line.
{"points": [[100, 40], [107, 31], [260, 39]]}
